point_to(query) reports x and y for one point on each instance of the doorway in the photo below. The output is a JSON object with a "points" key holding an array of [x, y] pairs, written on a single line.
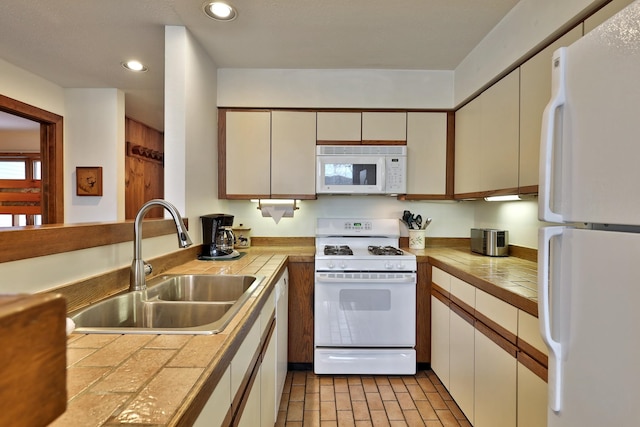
{"points": [[51, 156]]}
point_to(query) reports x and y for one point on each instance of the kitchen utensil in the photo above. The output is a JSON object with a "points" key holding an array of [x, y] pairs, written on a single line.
{"points": [[418, 222], [426, 223]]}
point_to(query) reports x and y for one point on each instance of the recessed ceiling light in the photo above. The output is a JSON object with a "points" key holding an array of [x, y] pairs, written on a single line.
{"points": [[220, 11], [134, 66]]}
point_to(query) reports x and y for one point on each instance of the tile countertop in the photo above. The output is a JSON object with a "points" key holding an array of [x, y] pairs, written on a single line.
{"points": [[155, 379], [514, 280]]}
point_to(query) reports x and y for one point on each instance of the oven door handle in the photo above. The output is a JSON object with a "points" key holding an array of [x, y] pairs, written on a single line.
{"points": [[323, 279]]}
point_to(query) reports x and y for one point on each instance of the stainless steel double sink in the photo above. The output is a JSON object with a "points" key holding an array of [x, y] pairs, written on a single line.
{"points": [[171, 304]]}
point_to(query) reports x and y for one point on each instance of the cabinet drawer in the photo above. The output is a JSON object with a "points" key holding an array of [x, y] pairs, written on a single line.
{"points": [[441, 278], [503, 314], [529, 331], [463, 291]]}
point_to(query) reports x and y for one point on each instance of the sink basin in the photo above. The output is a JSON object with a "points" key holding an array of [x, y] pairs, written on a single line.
{"points": [[201, 287], [173, 304]]}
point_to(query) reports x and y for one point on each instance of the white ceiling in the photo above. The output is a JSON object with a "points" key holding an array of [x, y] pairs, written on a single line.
{"points": [[81, 43]]}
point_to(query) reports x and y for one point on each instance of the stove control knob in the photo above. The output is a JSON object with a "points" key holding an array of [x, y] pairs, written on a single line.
{"points": [[388, 265], [343, 265], [331, 264], [400, 266]]}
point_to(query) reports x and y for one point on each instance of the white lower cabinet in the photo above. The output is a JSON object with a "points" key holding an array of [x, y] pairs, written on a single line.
{"points": [[461, 363], [216, 408], [440, 340], [492, 380], [532, 398], [495, 384]]}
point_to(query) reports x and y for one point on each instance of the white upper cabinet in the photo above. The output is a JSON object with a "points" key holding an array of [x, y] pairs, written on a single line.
{"points": [[426, 153], [293, 149], [269, 154], [468, 148], [487, 139], [535, 92], [342, 127], [248, 153], [384, 127]]}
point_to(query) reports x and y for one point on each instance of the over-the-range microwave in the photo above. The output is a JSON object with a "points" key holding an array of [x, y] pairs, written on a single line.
{"points": [[361, 169]]}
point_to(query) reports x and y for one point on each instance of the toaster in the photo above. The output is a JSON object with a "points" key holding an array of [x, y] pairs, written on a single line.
{"points": [[489, 241]]}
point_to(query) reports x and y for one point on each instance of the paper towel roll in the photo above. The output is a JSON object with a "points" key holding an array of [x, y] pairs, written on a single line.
{"points": [[277, 211]]}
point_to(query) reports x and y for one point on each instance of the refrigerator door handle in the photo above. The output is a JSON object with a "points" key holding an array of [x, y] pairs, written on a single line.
{"points": [[547, 140], [544, 312]]}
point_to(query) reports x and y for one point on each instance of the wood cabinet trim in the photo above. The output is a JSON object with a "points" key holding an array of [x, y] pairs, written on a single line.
{"points": [[499, 329], [497, 338], [531, 364], [465, 315], [533, 352]]}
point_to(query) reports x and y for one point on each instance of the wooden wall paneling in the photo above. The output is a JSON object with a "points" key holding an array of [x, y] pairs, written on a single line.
{"points": [[144, 178]]}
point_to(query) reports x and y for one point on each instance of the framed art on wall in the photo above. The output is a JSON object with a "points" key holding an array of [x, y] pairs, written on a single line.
{"points": [[89, 180]]}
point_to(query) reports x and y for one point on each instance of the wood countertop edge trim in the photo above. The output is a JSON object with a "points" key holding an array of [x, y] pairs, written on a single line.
{"points": [[201, 391], [503, 294]]}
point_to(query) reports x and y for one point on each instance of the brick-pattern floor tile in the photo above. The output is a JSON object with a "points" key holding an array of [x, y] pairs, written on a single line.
{"points": [[420, 400]]}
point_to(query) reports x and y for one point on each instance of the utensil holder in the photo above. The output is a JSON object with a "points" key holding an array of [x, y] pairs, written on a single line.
{"points": [[417, 239]]}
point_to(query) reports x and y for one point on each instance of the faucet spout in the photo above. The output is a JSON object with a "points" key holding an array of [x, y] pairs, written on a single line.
{"points": [[139, 269]]}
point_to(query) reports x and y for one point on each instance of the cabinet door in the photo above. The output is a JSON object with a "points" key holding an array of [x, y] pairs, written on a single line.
{"points": [[499, 134], [250, 416], [461, 361], [282, 334], [440, 340], [268, 399], [301, 277], [535, 92], [532, 398], [495, 384], [293, 154], [467, 153], [218, 405], [384, 128], [427, 153], [339, 128], [248, 153]]}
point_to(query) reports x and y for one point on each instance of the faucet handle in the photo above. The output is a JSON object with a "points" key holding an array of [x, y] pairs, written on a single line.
{"points": [[148, 269]]}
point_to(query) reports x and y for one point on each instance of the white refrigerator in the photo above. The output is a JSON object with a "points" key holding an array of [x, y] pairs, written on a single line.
{"points": [[589, 264]]}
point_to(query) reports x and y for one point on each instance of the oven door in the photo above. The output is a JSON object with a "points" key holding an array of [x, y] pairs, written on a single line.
{"points": [[365, 309]]}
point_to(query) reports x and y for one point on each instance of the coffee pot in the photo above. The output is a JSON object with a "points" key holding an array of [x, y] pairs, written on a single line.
{"points": [[217, 237]]}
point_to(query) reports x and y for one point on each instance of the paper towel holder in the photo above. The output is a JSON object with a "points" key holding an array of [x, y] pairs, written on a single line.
{"points": [[283, 201]]}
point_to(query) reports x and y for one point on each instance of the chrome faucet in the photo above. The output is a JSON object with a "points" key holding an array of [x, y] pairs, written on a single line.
{"points": [[139, 268]]}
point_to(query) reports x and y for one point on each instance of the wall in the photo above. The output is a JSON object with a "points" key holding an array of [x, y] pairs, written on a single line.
{"points": [[26, 87], [335, 88], [519, 218], [526, 26], [450, 219], [94, 136], [190, 128], [23, 141]]}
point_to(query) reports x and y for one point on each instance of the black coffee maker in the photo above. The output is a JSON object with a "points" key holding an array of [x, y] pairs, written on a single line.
{"points": [[217, 237]]}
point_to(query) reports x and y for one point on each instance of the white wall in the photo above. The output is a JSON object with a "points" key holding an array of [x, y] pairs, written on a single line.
{"points": [[191, 128], [528, 24], [519, 218], [335, 88], [31, 89], [94, 136]]}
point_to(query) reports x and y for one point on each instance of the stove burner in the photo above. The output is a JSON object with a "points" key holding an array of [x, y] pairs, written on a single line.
{"points": [[337, 250], [385, 250]]}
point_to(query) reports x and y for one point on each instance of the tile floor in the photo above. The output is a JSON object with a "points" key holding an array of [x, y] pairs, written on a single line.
{"points": [[311, 400]]}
